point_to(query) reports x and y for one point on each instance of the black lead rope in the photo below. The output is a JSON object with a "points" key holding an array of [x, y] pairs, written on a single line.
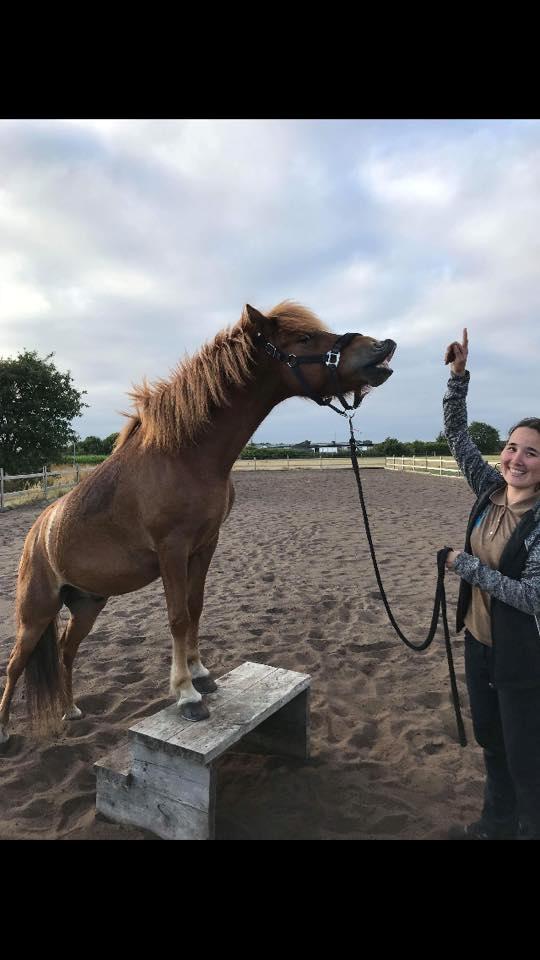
{"points": [[331, 360], [439, 605]]}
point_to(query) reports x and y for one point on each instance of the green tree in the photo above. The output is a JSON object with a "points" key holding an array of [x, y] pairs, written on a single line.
{"points": [[390, 447], [37, 405], [109, 442], [441, 441], [485, 437], [90, 445]]}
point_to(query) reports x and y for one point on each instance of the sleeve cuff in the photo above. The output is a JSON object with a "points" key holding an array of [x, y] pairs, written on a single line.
{"points": [[465, 566]]}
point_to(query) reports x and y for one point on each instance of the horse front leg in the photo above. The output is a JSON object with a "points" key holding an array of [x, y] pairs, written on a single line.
{"points": [[173, 564], [197, 570]]}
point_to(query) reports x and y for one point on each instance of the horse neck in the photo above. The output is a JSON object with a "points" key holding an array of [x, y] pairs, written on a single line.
{"points": [[232, 426]]}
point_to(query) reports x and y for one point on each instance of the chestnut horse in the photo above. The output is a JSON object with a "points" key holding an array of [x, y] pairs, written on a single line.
{"points": [[154, 508]]}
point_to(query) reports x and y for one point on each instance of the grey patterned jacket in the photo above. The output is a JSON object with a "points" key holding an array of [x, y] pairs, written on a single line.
{"points": [[515, 587]]}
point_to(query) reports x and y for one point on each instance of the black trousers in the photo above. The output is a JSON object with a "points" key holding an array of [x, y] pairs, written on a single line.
{"points": [[506, 724]]}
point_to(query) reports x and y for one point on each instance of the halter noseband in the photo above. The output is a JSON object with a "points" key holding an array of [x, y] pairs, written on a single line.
{"points": [[329, 359]]}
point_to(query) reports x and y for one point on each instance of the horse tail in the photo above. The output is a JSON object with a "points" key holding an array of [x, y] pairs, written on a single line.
{"points": [[44, 682]]}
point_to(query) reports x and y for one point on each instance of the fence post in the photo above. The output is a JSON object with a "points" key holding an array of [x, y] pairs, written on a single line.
{"points": [[403, 463], [1, 488], [45, 481], [254, 463], [440, 466], [320, 460], [287, 461], [414, 464], [77, 473]]}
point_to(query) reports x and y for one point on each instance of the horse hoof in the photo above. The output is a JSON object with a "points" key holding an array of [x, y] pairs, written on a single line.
{"points": [[194, 711], [204, 684], [72, 714]]}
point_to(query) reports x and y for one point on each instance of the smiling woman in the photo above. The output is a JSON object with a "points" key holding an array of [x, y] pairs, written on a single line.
{"points": [[499, 606], [520, 459]]}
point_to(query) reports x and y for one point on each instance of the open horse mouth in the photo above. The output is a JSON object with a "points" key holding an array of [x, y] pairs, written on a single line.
{"points": [[384, 354], [378, 369]]}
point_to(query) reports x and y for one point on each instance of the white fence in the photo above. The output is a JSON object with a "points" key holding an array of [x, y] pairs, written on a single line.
{"points": [[439, 466], [45, 476], [294, 463]]}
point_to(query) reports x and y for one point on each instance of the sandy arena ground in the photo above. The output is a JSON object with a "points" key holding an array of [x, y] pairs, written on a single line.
{"points": [[291, 585]]}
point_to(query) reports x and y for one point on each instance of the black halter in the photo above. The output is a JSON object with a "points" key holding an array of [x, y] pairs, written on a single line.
{"points": [[329, 359]]}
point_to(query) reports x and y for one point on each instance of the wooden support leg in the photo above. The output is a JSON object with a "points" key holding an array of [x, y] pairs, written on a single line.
{"points": [[173, 797], [285, 733]]}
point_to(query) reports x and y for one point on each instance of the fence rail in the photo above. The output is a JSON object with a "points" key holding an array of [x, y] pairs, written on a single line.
{"points": [[436, 466], [439, 466], [293, 463], [47, 478]]}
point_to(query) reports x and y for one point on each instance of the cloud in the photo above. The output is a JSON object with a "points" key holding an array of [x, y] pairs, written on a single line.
{"points": [[429, 188], [126, 243]]}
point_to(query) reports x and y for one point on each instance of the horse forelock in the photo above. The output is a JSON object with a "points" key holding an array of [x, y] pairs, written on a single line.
{"points": [[292, 317]]}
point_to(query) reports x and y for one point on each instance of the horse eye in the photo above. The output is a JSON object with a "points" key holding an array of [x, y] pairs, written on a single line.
{"points": [[305, 338]]}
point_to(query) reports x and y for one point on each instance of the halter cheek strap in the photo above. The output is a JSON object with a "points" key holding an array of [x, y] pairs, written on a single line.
{"points": [[329, 359]]}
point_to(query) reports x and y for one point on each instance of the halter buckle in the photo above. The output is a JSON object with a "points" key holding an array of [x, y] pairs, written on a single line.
{"points": [[271, 349], [292, 360], [332, 359]]}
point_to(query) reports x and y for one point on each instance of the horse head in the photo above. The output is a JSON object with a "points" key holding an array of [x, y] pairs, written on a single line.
{"points": [[315, 362]]}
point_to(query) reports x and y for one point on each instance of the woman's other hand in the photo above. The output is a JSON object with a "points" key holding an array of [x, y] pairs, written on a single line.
{"points": [[451, 559], [457, 353]]}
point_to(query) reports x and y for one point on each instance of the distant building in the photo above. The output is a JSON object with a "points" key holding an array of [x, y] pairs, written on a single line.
{"points": [[339, 448]]}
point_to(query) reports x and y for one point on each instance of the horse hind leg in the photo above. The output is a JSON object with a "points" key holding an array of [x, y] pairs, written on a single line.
{"points": [[84, 610], [36, 649], [35, 635]]}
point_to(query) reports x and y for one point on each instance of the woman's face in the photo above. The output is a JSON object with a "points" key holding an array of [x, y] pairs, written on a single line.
{"points": [[520, 459]]}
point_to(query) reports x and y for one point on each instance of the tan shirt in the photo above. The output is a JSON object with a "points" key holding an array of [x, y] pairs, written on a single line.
{"points": [[489, 537]]}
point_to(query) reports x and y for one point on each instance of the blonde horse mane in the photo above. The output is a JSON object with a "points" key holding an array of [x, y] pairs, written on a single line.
{"points": [[172, 413]]}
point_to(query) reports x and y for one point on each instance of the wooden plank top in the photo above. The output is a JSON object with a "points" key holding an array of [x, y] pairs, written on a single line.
{"points": [[245, 697], [116, 765]]}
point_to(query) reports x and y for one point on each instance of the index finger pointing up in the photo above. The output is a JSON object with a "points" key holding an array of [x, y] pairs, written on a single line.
{"points": [[465, 337]]}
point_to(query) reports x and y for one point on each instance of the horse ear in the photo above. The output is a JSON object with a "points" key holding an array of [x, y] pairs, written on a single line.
{"points": [[258, 319]]}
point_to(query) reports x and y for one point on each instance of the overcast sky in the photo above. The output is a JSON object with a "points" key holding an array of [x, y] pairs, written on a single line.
{"points": [[125, 244]]}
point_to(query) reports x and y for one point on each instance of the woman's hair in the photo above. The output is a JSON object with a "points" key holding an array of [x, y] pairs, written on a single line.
{"points": [[533, 423]]}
